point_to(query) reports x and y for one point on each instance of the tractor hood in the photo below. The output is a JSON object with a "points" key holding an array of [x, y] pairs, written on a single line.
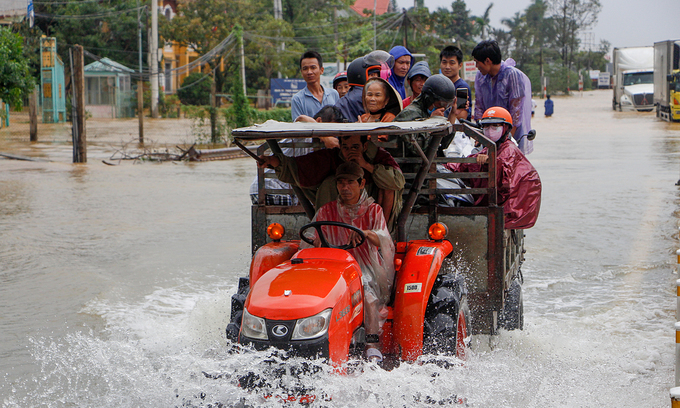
{"points": [[314, 280]]}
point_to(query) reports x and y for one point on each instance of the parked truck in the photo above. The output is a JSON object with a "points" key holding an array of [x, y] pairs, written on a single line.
{"points": [[633, 79], [667, 80]]}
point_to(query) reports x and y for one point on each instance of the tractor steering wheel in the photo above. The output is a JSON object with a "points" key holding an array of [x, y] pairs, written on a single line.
{"points": [[324, 243]]}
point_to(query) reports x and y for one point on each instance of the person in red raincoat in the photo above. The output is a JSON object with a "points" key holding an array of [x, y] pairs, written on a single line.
{"points": [[517, 181], [375, 256]]}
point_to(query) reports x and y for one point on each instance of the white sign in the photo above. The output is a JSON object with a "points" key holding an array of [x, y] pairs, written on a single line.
{"points": [[413, 287], [604, 79], [469, 70]]}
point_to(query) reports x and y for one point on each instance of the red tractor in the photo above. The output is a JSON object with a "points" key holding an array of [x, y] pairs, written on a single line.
{"points": [[310, 301]]}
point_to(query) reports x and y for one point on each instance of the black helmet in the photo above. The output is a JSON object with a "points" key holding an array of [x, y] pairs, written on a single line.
{"points": [[440, 88], [356, 72]]}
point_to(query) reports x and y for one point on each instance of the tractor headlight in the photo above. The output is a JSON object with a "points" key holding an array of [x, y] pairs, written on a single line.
{"points": [[311, 327], [253, 326], [625, 100]]}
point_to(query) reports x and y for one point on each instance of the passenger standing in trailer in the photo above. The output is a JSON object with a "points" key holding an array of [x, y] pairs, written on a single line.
{"points": [[499, 83]]}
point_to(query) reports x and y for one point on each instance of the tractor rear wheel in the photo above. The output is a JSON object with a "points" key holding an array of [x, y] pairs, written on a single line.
{"points": [[445, 328], [512, 316]]}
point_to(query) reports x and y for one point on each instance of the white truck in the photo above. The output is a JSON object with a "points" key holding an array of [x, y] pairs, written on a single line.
{"points": [[667, 80], [633, 79]]}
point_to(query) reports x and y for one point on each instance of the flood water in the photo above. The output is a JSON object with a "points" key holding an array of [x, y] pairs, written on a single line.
{"points": [[115, 281]]}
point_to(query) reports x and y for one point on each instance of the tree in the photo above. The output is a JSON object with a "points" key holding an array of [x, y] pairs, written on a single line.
{"points": [[16, 81], [483, 22], [569, 18], [106, 28]]}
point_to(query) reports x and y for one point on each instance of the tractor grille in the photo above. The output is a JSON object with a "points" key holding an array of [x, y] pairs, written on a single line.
{"points": [[643, 99]]}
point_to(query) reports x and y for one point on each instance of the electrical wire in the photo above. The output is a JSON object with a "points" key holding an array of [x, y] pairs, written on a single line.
{"points": [[66, 2], [87, 16]]}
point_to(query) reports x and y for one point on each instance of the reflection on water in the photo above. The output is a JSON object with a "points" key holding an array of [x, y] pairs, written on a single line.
{"points": [[116, 281]]}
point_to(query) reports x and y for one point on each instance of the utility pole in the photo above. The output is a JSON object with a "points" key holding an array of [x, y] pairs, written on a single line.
{"points": [[405, 23], [140, 79], [278, 15], [375, 25], [335, 32], [78, 77], [153, 58], [243, 60]]}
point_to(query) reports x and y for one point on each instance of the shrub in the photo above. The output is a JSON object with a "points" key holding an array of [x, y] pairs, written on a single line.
{"points": [[195, 89]]}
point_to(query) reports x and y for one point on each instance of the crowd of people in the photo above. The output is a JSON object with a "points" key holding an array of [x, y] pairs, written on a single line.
{"points": [[354, 181]]}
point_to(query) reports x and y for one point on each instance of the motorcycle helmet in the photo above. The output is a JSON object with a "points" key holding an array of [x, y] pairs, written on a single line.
{"points": [[496, 114], [380, 60], [356, 72], [339, 77], [439, 88]]}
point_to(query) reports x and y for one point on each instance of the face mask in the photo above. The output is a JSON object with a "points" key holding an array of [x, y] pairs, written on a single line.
{"points": [[493, 132], [429, 111]]}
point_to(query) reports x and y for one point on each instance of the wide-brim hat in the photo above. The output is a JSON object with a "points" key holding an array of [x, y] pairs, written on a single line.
{"points": [[394, 103]]}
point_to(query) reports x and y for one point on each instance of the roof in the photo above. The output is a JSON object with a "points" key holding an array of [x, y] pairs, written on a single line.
{"points": [[381, 6], [107, 65], [12, 11], [272, 129]]}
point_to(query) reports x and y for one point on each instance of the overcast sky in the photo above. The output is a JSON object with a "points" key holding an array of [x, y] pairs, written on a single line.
{"points": [[624, 23]]}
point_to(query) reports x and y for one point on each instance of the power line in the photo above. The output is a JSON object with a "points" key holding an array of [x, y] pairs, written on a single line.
{"points": [[87, 16]]}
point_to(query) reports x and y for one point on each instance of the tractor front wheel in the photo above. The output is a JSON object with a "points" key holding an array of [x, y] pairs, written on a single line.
{"points": [[445, 329]]}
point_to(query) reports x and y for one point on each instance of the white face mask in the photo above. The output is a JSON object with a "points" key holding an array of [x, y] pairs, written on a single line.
{"points": [[493, 132]]}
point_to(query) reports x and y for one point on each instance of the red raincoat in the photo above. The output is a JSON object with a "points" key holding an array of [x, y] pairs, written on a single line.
{"points": [[517, 181]]}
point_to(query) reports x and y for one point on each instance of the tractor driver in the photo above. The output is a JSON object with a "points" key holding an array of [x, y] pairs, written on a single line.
{"points": [[314, 173], [375, 256]]}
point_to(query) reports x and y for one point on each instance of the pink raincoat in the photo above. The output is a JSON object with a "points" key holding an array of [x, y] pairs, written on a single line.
{"points": [[377, 263]]}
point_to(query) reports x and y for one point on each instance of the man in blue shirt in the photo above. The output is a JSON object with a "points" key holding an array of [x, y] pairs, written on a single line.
{"points": [[450, 63], [313, 96], [499, 83]]}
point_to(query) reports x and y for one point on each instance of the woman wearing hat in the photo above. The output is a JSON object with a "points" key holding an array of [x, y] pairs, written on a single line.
{"points": [[381, 101]]}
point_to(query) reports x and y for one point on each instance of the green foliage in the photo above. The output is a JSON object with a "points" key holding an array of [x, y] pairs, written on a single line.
{"points": [[16, 81], [240, 102], [278, 114], [113, 34], [195, 89]]}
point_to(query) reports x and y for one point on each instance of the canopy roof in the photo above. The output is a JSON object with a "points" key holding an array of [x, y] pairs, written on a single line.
{"points": [[272, 129], [107, 65]]}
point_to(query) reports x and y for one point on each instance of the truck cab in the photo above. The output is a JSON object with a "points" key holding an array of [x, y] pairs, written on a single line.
{"points": [[638, 91]]}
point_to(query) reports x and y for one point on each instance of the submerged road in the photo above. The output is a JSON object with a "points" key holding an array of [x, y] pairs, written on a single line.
{"points": [[115, 282]]}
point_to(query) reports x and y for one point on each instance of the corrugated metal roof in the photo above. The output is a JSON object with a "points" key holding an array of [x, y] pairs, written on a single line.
{"points": [[106, 65], [12, 10]]}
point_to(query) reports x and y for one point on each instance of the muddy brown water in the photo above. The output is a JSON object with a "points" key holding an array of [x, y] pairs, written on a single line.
{"points": [[115, 280]]}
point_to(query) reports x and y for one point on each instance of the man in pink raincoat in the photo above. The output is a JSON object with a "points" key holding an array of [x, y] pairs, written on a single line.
{"points": [[375, 256]]}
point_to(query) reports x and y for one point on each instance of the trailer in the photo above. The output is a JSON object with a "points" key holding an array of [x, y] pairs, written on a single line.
{"points": [[667, 80]]}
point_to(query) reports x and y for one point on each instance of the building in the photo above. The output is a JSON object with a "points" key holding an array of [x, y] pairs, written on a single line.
{"points": [[108, 91]]}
